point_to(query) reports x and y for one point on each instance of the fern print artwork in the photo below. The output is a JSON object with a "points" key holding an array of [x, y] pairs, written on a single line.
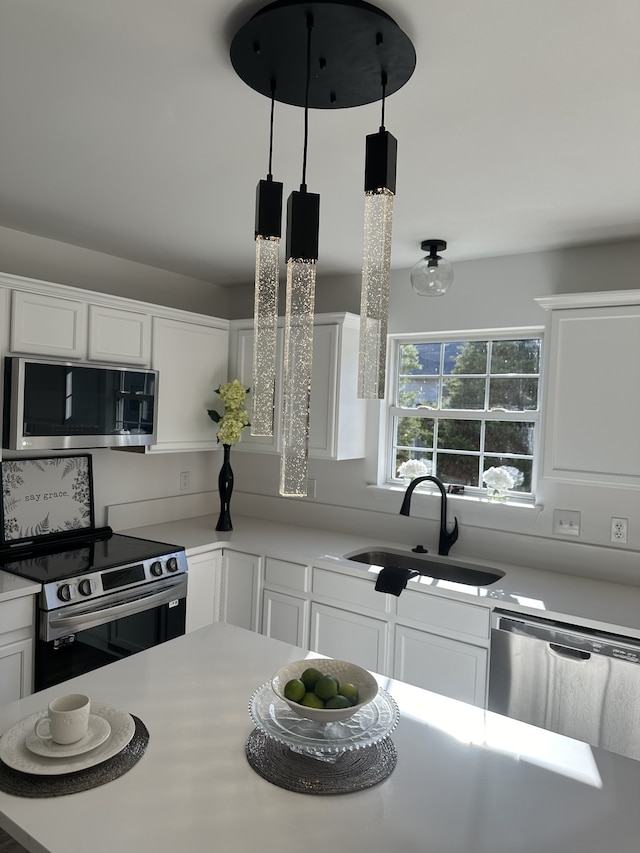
{"points": [[44, 496]]}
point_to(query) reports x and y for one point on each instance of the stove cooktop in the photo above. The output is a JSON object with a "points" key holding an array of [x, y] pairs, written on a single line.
{"points": [[106, 551]]}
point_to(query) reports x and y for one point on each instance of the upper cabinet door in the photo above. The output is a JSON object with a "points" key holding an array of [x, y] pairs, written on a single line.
{"points": [[241, 367], [593, 395], [192, 362], [48, 325], [117, 336]]}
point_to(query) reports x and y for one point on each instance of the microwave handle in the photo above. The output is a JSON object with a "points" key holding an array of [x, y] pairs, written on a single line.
{"points": [[99, 615]]}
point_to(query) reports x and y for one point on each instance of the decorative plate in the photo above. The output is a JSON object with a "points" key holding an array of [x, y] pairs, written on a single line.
{"points": [[326, 741], [14, 752]]}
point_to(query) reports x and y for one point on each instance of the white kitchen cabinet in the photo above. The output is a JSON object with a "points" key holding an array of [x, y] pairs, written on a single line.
{"points": [[16, 648], [285, 617], [118, 336], [285, 604], [240, 589], [337, 416], [191, 358], [347, 635], [593, 388], [449, 667], [203, 589], [48, 325]]}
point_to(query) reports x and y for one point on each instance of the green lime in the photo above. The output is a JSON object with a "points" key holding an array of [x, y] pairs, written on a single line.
{"points": [[350, 692], [312, 701], [309, 677], [337, 702], [294, 690], [326, 687]]}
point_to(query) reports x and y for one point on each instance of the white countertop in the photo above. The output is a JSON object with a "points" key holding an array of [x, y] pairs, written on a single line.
{"points": [[12, 586], [466, 781], [597, 604]]}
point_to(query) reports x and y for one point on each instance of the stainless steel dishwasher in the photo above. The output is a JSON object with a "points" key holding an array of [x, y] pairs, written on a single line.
{"points": [[570, 680]]}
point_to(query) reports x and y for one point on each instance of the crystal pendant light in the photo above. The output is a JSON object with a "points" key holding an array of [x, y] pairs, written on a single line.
{"points": [[303, 222], [265, 311], [432, 276], [380, 187]]}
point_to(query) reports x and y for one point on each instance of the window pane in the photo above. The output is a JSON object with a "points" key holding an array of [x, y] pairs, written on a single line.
{"points": [[429, 358], [459, 470], [415, 432], [515, 356], [416, 391], [523, 466], [509, 437], [513, 395], [466, 357], [463, 393], [459, 435]]}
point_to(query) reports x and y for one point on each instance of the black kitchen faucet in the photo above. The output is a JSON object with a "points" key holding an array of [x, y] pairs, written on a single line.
{"points": [[446, 539]]}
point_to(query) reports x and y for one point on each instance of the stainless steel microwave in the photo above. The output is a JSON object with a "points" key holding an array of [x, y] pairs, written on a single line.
{"points": [[59, 405]]}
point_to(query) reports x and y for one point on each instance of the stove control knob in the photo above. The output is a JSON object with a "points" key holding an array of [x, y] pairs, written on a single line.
{"points": [[66, 592], [86, 586], [172, 564], [156, 568]]}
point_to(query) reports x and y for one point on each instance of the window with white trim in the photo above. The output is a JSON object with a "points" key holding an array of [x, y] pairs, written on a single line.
{"points": [[466, 403]]}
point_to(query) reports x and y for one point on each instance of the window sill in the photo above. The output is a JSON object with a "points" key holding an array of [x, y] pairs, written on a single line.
{"points": [[472, 506]]}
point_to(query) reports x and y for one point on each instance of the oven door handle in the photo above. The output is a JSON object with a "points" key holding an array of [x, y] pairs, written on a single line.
{"points": [[99, 615]]}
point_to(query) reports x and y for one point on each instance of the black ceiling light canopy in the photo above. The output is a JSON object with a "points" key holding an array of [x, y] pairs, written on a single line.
{"points": [[353, 42]]}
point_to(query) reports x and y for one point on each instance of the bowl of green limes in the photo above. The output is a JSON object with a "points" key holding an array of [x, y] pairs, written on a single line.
{"points": [[324, 689]]}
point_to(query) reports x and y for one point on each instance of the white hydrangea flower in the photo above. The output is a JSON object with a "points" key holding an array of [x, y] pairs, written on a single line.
{"points": [[499, 478], [413, 468]]}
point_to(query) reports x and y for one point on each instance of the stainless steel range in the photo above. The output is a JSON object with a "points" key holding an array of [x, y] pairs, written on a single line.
{"points": [[104, 595]]}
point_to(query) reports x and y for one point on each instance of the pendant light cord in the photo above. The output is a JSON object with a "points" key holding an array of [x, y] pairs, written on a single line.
{"points": [[303, 185], [273, 103], [383, 80]]}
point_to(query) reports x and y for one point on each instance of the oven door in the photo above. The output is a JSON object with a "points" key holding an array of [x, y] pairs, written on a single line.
{"points": [[81, 637]]}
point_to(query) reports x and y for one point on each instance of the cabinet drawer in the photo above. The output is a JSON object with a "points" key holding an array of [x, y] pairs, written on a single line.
{"points": [[456, 616], [358, 591], [286, 574], [17, 613]]}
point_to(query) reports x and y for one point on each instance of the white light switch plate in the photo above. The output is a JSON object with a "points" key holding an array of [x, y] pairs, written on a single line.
{"points": [[566, 522]]}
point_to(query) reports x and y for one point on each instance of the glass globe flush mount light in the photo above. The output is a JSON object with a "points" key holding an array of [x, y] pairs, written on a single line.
{"points": [[432, 276]]}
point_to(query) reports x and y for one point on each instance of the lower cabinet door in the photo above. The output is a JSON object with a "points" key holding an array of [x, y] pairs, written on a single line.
{"points": [[284, 617], [448, 667], [203, 589], [16, 670], [239, 589], [349, 636]]}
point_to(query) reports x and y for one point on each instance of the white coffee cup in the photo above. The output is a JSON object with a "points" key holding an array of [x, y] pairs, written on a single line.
{"points": [[67, 719]]}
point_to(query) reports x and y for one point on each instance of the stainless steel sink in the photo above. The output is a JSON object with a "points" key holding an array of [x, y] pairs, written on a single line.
{"points": [[430, 566]]}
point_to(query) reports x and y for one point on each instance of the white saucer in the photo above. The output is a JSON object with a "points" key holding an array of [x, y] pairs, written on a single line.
{"points": [[14, 752], [99, 731]]}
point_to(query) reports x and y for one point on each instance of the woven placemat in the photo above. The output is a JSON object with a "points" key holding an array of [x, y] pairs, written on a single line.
{"points": [[352, 771], [31, 785]]}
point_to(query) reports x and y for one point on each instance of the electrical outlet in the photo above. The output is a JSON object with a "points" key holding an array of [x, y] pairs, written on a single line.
{"points": [[185, 480], [619, 530], [311, 488], [566, 522]]}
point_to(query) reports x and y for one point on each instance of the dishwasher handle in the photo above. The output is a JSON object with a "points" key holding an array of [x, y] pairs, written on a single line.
{"points": [[567, 652]]}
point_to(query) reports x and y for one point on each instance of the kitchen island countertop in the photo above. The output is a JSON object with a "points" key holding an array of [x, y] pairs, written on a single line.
{"points": [[466, 780]]}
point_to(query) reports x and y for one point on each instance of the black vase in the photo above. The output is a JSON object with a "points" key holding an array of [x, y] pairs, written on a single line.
{"points": [[225, 487]]}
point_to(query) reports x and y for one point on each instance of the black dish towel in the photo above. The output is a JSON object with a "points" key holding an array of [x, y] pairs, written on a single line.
{"points": [[394, 579]]}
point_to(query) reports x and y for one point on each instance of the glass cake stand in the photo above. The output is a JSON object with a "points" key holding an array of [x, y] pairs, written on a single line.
{"points": [[325, 741]]}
